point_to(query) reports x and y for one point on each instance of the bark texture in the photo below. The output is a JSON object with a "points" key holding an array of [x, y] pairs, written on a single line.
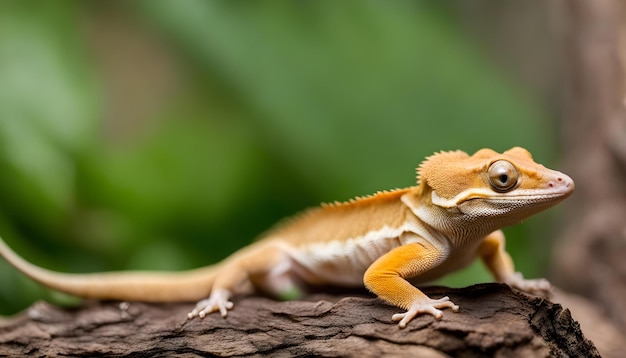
{"points": [[493, 321]]}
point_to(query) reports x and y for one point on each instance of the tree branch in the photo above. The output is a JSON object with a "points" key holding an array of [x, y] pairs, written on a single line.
{"points": [[493, 320]]}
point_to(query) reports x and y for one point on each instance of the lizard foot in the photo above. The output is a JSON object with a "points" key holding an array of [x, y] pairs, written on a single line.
{"points": [[429, 306], [218, 301], [540, 287]]}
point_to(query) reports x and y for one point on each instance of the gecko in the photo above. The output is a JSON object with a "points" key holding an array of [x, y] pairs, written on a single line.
{"points": [[389, 242]]}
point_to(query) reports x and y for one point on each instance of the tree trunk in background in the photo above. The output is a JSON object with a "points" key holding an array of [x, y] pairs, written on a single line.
{"points": [[572, 55], [590, 257]]}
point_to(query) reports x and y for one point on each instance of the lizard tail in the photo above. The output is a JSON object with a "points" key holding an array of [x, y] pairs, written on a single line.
{"points": [[191, 285]]}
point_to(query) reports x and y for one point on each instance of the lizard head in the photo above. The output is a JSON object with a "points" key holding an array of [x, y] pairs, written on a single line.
{"points": [[490, 184]]}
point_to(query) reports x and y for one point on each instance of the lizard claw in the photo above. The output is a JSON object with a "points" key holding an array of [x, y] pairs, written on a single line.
{"points": [[429, 306], [539, 287], [218, 301]]}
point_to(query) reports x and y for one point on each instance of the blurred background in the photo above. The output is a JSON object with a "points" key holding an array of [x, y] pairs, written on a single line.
{"points": [[164, 135]]}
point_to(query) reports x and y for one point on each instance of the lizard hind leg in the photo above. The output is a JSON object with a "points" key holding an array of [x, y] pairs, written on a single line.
{"points": [[241, 273], [217, 301]]}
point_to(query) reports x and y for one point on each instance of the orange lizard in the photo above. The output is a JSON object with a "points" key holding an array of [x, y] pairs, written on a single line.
{"points": [[387, 242]]}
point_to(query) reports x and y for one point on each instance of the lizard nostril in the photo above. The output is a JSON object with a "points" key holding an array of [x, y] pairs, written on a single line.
{"points": [[560, 183]]}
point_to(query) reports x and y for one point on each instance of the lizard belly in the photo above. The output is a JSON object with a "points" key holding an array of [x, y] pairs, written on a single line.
{"points": [[343, 263]]}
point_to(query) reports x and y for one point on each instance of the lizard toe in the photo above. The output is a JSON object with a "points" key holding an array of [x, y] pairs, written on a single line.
{"points": [[430, 306], [218, 301], [540, 287]]}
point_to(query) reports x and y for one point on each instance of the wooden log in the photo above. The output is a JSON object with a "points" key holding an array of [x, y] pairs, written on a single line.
{"points": [[494, 320]]}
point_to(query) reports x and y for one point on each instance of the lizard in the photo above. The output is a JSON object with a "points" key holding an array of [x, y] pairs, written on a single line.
{"points": [[389, 242]]}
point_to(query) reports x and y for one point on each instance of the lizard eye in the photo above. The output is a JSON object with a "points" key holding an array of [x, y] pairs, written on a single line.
{"points": [[502, 176]]}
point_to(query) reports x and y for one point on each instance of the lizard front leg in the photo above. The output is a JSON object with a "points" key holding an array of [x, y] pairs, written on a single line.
{"points": [[500, 264], [386, 277]]}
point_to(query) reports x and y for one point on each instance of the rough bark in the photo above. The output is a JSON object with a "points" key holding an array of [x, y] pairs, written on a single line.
{"points": [[493, 321]]}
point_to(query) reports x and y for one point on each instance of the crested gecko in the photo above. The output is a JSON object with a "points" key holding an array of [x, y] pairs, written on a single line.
{"points": [[387, 242]]}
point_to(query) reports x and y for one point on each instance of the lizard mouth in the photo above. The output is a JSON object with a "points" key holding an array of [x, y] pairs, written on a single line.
{"points": [[532, 197], [521, 199]]}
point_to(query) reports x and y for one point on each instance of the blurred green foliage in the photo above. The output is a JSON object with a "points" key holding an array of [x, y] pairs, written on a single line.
{"points": [[275, 106]]}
